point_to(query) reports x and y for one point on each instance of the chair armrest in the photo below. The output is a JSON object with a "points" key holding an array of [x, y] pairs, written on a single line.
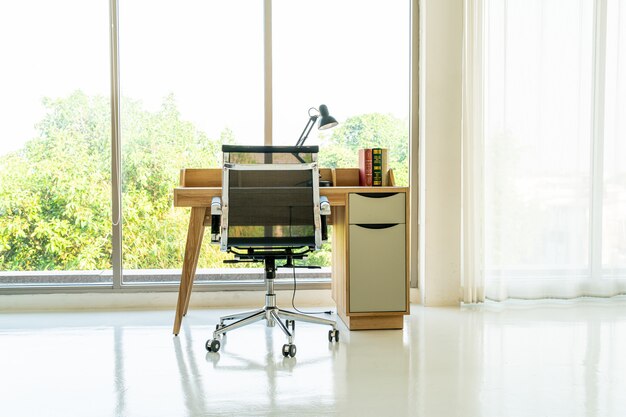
{"points": [[324, 206], [216, 205], [324, 211], [216, 219]]}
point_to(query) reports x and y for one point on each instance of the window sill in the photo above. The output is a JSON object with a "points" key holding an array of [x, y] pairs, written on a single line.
{"points": [[161, 280]]}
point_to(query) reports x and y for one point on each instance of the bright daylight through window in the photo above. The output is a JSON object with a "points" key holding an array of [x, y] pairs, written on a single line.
{"points": [[55, 143], [191, 78]]}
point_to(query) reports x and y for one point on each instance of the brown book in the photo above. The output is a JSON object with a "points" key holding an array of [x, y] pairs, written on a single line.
{"points": [[365, 167]]}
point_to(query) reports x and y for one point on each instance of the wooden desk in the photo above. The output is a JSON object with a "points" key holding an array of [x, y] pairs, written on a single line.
{"points": [[199, 186]]}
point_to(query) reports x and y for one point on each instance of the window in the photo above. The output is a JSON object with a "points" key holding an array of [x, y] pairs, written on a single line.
{"points": [[191, 78], [352, 56], [55, 143]]}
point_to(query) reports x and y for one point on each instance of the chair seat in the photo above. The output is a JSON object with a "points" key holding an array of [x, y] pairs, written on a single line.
{"points": [[271, 242]]}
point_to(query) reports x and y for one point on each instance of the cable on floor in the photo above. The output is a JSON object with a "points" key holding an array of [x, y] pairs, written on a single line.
{"points": [[293, 298]]}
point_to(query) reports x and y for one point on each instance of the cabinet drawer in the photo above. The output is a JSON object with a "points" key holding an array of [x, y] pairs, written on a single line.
{"points": [[378, 277], [373, 208]]}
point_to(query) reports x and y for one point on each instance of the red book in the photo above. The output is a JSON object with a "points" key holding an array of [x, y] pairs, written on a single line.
{"points": [[365, 167]]}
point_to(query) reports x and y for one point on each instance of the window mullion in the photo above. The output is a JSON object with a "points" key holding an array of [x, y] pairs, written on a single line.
{"points": [[116, 189]]}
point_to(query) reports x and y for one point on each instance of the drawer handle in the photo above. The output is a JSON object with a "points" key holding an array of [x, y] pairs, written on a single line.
{"points": [[377, 226], [376, 195]]}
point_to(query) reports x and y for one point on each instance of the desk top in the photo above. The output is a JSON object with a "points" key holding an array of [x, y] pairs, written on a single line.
{"points": [[199, 186], [202, 196]]}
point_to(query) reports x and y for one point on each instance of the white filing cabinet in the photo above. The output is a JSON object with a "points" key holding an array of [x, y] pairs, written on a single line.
{"points": [[377, 253], [370, 256]]}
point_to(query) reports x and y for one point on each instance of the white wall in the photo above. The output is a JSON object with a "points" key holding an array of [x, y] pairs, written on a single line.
{"points": [[441, 37]]}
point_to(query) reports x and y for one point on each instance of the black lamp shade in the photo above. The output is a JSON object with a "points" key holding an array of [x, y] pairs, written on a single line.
{"points": [[326, 121]]}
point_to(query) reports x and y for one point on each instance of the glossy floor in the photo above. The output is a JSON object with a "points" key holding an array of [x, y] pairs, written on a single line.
{"points": [[502, 360]]}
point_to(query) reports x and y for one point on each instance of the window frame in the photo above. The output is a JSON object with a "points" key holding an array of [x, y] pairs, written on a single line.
{"points": [[215, 284]]}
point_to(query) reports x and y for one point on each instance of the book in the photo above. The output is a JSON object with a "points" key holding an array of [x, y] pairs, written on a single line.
{"points": [[385, 166], [380, 167], [365, 167]]}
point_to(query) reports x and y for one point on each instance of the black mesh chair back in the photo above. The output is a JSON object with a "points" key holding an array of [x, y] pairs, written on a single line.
{"points": [[269, 204]]}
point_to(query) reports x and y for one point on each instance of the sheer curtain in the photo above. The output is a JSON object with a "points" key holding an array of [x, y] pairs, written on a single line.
{"points": [[551, 131], [472, 276]]}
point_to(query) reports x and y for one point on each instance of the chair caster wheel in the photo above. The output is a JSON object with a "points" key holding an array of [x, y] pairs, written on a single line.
{"points": [[291, 323], [289, 350], [212, 345], [333, 334]]}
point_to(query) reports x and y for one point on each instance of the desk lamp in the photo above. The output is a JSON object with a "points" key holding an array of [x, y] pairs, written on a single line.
{"points": [[326, 121]]}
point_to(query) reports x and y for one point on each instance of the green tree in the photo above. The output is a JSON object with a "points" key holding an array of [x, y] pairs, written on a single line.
{"points": [[55, 210], [55, 193], [155, 146]]}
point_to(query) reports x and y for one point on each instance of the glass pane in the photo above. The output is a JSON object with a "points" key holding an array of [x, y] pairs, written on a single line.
{"points": [[353, 56], [55, 162], [538, 137], [614, 189], [191, 79]]}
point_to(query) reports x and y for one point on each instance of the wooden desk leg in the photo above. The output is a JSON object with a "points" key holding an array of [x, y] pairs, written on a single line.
{"points": [[192, 252], [194, 267]]}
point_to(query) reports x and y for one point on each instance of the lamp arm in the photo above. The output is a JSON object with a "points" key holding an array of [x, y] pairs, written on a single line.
{"points": [[307, 129]]}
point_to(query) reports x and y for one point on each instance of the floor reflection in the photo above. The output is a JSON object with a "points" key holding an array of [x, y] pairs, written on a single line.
{"points": [[509, 359], [249, 374]]}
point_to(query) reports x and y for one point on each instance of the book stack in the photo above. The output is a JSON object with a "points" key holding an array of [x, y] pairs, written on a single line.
{"points": [[373, 167]]}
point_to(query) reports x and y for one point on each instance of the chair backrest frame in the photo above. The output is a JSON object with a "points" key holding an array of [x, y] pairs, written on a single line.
{"points": [[228, 167]]}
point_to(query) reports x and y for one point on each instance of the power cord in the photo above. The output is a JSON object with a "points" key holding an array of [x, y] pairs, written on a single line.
{"points": [[293, 298]]}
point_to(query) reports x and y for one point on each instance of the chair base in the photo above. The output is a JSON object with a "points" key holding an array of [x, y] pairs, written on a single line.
{"points": [[272, 315]]}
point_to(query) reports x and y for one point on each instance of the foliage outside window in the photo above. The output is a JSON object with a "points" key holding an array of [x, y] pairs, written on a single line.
{"points": [[55, 199]]}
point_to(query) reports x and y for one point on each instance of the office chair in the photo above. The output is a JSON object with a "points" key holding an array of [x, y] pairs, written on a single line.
{"points": [[270, 211]]}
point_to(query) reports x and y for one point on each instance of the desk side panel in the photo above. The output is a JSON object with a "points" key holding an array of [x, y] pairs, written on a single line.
{"points": [[339, 259]]}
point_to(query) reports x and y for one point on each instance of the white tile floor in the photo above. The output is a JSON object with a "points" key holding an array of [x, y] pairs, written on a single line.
{"points": [[517, 359]]}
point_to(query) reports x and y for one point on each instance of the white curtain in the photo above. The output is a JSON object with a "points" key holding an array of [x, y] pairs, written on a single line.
{"points": [[544, 149], [472, 276]]}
